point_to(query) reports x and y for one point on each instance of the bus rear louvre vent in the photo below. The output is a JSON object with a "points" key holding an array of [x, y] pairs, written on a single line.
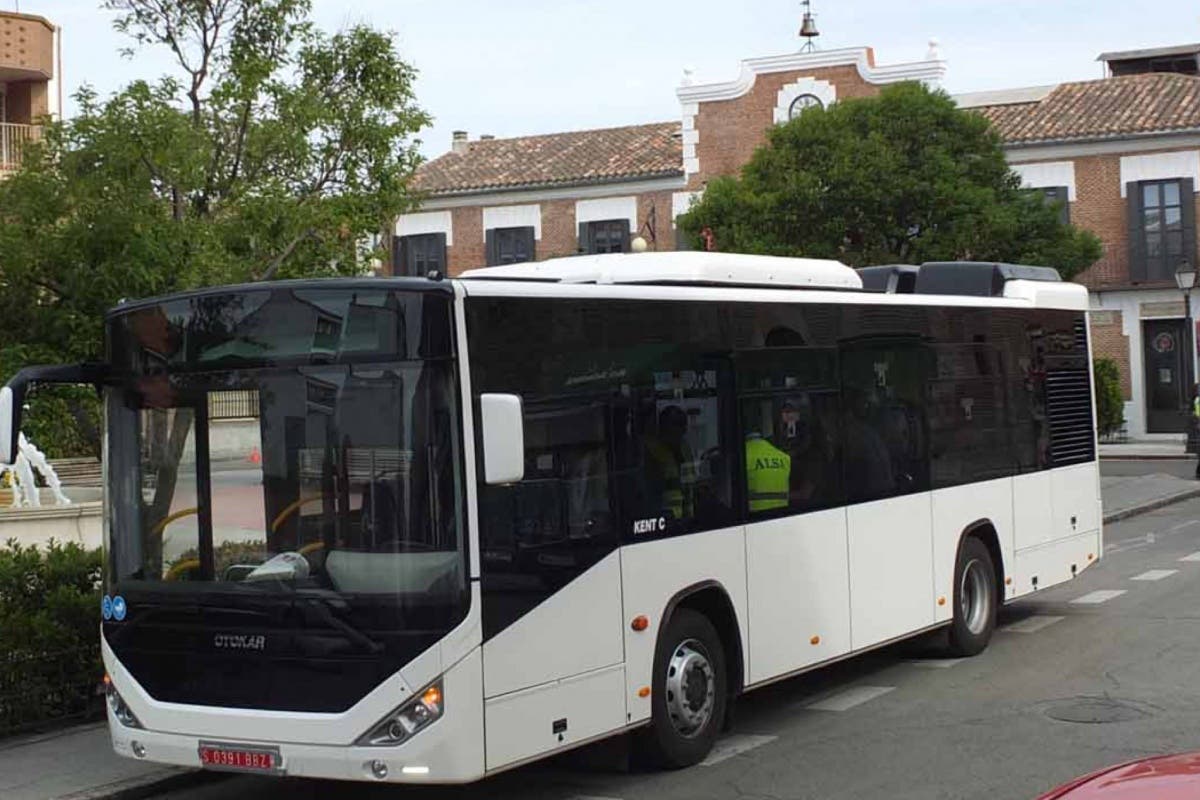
{"points": [[1068, 411]]}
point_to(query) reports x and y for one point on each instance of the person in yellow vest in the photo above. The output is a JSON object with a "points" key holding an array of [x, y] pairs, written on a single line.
{"points": [[1194, 433], [768, 474], [671, 466]]}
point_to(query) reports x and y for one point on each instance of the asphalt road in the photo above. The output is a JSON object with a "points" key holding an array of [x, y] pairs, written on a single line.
{"points": [[1126, 671]]}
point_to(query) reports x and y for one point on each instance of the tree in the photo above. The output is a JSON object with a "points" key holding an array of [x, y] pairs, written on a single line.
{"points": [[906, 176], [275, 150], [1110, 406]]}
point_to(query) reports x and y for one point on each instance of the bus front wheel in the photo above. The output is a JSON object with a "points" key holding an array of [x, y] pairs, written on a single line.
{"points": [[975, 600], [688, 693]]}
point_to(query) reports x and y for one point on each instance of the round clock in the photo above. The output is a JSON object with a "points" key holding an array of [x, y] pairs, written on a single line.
{"points": [[802, 102]]}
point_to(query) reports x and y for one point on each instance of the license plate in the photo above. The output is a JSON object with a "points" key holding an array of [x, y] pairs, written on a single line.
{"points": [[240, 758]]}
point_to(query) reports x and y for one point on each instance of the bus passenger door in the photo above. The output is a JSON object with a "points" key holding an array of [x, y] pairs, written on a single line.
{"points": [[551, 588], [890, 516], [798, 586]]}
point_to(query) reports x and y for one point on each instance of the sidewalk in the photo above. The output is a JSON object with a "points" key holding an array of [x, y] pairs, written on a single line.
{"points": [[78, 763], [1145, 449], [1127, 496]]}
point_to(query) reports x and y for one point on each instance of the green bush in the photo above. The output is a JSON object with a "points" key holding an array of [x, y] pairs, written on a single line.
{"points": [[1110, 406], [49, 633]]}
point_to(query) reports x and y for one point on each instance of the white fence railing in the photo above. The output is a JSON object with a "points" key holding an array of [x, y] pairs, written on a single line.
{"points": [[13, 138]]}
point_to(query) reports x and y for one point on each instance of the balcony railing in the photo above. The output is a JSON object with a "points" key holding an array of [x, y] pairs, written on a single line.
{"points": [[13, 139]]}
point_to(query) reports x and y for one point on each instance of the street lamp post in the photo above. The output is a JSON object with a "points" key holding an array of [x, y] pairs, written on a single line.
{"points": [[1185, 279]]}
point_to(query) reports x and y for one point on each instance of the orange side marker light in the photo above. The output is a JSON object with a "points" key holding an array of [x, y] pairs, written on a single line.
{"points": [[941, 601], [640, 622], [644, 691], [815, 640]]}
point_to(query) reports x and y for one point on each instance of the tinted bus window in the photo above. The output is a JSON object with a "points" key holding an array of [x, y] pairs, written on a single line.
{"points": [[627, 434], [789, 408]]}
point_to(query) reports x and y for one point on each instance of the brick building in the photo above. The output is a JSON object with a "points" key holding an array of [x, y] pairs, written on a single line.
{"points": [[493, 201], [1124, 152], [1121, 152], [30, 89]]}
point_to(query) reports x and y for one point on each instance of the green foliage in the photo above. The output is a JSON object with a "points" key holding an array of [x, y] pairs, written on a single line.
{"points": [[225, 555], [1110, 406], [903, 177], [49, 623], [274, 150]]}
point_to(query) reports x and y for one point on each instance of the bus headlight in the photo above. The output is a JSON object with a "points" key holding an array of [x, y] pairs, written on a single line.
{"points": [[406, 721], [117, 704]]}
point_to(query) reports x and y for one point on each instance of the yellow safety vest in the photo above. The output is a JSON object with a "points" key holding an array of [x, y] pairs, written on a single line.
{"points": [[768, 473], [678, 479]]}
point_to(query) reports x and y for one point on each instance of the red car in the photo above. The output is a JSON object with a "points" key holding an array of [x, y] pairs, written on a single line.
{"points": [[1158, 777]]}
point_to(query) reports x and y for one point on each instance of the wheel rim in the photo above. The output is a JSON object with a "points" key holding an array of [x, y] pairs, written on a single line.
{"points": [[690, 688], [975, 596]]}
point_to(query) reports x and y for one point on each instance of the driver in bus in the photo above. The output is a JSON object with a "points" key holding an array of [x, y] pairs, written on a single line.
{"points": [[670, 465]]}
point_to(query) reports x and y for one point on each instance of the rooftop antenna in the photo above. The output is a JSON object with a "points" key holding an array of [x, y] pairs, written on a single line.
{"points": [[808, 28]]}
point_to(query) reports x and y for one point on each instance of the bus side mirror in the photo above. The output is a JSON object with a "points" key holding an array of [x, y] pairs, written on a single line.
{"points": [[12, 397], [10, 422], [501, 421]]}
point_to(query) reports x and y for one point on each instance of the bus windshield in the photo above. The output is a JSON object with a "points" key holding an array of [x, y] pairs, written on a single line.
{"points": [[289, 463]]}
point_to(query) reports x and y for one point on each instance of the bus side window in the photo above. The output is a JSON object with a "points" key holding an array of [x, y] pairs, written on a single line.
{"points": [[788, 413], [884, 428], [683, 482]]}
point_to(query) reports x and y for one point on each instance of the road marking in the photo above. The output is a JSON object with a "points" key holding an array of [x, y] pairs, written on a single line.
{"points": [[1192, 556], [854, 696], [734, 745], [1032, 624], [1154, 575], [1183, 525], [1097, 597], [1130, 544], [936, 663]]}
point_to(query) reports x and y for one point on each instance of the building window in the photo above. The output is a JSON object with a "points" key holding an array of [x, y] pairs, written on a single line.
{"points": [[418, 255], [1057, 194], [510, 245], [606, 236], [1163, 228]]}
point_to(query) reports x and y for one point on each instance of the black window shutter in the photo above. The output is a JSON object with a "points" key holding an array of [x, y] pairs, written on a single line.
{"points": [[529, 243], [625, 236], [1187, 210], [399, 251], [441, 252], [585, 239], [493, 256], [1061, 195], [1133, 227]]}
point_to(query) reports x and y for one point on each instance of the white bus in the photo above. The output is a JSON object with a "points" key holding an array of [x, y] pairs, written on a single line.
{"points": [[479, 521]]}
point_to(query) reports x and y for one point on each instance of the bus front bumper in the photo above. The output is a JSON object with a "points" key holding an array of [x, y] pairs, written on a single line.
{"points": [[430, 761]]}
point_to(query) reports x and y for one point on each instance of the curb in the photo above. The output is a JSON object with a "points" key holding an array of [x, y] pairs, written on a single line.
{"points": [[1151, 505], [143, 786], [1147, 457]]}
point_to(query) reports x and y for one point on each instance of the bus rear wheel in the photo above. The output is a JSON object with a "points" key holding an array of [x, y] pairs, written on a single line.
{"points": [[688, 693], [975, 599]]}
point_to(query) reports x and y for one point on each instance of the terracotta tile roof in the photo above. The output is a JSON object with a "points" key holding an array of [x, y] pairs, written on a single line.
{"points": [[1112, 107], [578, 157]]}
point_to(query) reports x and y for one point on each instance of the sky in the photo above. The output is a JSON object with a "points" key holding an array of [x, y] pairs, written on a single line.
{"points": [[517, 67]]}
